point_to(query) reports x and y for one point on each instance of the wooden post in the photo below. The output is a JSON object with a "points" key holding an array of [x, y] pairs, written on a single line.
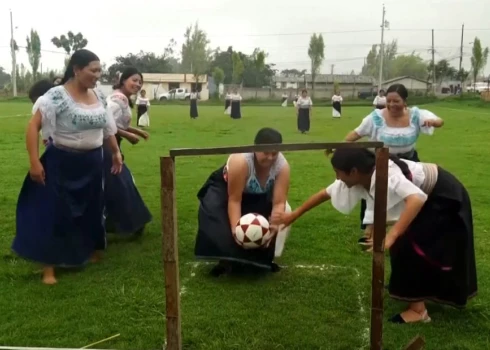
{"points": [[170, 253], [417, 343], [379, 233]]}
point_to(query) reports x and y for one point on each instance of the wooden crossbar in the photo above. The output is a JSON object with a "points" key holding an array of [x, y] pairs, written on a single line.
{"points": [[282, 147]]}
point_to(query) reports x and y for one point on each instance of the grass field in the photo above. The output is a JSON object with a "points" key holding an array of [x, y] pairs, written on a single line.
{"points": [[320, 301]]}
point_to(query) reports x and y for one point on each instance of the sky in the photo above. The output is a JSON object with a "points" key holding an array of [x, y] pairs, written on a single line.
{"points": [[282, 28]]}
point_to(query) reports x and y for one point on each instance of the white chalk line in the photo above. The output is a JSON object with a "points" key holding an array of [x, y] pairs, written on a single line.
{"points": [[14, 116], [463, 110], [324, 267]]}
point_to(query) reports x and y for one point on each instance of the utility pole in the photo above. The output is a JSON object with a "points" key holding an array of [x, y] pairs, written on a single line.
{"points": [[384, 24], [433, 66], [461, 58], [331, 74], [14, 60]]}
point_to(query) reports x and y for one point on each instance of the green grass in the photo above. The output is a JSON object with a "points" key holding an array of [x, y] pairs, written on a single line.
{"points": [[298, 308]]}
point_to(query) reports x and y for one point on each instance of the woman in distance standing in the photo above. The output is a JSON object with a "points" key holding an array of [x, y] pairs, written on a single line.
{"points": [[337, 105], [142, 105], [60, 210], [193, 99], [303, 111], [236, 105], [126, 212]]}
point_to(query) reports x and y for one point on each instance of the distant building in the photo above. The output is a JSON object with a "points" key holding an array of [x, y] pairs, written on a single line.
{"points": [[159, 83]]}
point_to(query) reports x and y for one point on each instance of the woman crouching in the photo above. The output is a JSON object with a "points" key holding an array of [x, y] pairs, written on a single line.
{"points": [[248, 183], [431, 243]]}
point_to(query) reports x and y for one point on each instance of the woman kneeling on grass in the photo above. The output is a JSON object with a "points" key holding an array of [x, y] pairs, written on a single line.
{"points": [[248, 183], [431, 244]]}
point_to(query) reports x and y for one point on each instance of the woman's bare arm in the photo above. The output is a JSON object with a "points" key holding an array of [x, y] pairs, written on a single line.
{"points": [[237, 177]]}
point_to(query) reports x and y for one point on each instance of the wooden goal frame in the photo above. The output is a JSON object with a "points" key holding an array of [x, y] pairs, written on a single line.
{"points": [[170, 236]]}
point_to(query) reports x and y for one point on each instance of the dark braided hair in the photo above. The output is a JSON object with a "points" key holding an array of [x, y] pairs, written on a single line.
{"points": [[126, 74], [346, 159]]}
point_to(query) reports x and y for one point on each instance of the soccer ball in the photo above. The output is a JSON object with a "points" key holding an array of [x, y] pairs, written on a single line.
{"points": [[252, 231]]}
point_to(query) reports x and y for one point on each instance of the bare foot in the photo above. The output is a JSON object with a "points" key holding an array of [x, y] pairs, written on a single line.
{"points": [[96, 257], [411, 316], [48, 276]]}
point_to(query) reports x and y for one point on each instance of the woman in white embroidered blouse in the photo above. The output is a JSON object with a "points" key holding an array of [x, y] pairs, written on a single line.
{"points": [[126, 212], [431, 242], [193, 112], [142, 105], [60, 206], [303, 111], [398, 127], [337, 105], [35, 93], [236, 105], [380, 100]]}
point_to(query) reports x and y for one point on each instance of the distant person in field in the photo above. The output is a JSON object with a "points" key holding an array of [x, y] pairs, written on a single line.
{"points": [[248, 183], [337, 105], [228, 103], [284, 100], [399, 127], [60, 210], [430, 241], [236, 105], [193, 104], [380, 100], [142, 105], [126, 212], [35, 93], [57, 80], [304, 107]]}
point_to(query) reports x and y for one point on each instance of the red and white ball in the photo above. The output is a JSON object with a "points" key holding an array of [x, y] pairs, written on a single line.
{"points": [[252, 231]]}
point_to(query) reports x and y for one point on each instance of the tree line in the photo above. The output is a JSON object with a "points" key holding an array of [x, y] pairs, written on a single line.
{"points": [[230, 66]]}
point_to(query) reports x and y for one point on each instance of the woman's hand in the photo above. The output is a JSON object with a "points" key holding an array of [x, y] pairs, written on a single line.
{"points": [[37, 172], [117, 163], [430, 123], [145, 135], [132, 138], [285, 219]]}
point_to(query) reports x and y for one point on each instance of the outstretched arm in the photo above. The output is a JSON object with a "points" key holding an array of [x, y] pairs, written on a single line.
{"points": [[312, 202]]}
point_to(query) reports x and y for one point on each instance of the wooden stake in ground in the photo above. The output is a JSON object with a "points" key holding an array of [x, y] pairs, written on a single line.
{"points": [[379, 233], [170, 253], [417, 343]]}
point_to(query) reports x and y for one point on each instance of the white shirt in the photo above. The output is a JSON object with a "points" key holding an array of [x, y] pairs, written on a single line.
{"points": [[46, 129], [236, 97], [193, 96], [142, 101], [337, 98], [344, 199], [399, 140], [228, 97], [379, 100], [75, 125], [304, 102], [119, 106]]}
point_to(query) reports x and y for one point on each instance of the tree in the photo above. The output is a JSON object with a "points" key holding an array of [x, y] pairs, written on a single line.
{"points": [[316, 52], [372, 61], [478, 59], [70, 43], [443, 71], [412, 65], [238, 68], [5, 78], [218, 77], [145, 62], [195, 52], [33, 49], [258, 58]]}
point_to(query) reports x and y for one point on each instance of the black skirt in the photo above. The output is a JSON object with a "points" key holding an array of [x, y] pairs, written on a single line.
{"points": [[227, 104], [304, 119], [214, 239], [236, 112], [435, 258], [380, 106], [140, 110], [337, 106], [414, 157], [193, 112]]}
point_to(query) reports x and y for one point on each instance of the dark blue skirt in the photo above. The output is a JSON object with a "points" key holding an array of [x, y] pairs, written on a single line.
{"points": [[125, 210], [61, 223]]}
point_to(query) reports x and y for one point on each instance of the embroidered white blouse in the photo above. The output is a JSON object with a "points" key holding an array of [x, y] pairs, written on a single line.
{"points": [[399, 140], [73, 124], [118, 104], [236, 97], [337, 98], [379, 101], [344, 199], [142, 101], [304, 102]]}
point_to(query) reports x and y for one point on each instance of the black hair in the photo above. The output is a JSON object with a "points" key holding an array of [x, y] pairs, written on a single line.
{"points": [[80, 59], [39, 88], [381, 91], [127, 73], [304, 90], [267, 136], [346, 159], [56, 78], [400, 89]]}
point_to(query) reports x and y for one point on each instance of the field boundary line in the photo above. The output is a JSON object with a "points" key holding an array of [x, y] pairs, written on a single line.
{"points": [[464, 110], [360, 294], [13, 116]]}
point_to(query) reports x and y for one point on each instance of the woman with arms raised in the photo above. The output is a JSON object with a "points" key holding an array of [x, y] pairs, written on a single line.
{"points": [[248, 183], [431, 241]]}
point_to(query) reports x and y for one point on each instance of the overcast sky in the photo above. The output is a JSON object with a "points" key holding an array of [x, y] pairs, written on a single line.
{"points": [[280, 27]]}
